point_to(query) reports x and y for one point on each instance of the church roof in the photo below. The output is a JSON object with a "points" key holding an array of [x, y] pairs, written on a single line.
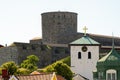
{"points": [[85, 40], [111, 59], [79, 77]]}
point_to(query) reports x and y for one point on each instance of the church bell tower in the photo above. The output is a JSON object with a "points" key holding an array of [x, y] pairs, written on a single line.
{"points": [[84, 56]]}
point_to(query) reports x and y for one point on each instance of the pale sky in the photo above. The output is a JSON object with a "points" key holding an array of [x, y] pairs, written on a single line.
{"points": [[20, 20]]}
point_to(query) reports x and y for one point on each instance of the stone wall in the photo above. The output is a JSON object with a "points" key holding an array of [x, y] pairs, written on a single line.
{"points": [[59, 53], [58, 27], [18, 52], [8, 54], [41, 51]]}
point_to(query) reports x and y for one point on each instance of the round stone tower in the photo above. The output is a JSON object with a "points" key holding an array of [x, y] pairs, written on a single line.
{"points": [[58, 27]]}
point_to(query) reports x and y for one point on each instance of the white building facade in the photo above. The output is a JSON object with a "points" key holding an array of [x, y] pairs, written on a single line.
{"points": [[84, 56]]}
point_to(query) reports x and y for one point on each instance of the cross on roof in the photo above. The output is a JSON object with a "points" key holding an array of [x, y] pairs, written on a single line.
{"points": [[85, 29]]}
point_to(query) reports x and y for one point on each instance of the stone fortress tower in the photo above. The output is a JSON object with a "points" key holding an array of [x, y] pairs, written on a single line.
{"points": [[58, 27]]}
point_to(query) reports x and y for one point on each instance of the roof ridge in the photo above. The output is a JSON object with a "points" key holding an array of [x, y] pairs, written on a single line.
{"points": [[85, 40], [103, 35], [113, 52]]}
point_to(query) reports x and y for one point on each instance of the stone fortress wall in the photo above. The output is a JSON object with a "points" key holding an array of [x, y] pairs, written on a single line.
{"points": [[8, 54], [18, 52]]}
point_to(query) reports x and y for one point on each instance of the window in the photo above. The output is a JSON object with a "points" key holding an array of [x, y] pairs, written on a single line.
{"points": [[58, 23], [64, 16], [24, 47], [89, 55], [57, 51], [42, 47], [100, 75], [111, 75], [79, 55], [58, 16], [53, 16], [33, 47]]}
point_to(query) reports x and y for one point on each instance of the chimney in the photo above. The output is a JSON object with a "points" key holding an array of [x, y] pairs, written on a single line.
{"points": [[5, 74]]}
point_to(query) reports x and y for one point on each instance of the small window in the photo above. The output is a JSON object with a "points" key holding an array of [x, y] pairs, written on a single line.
{"points": [[42, 47], [100, 75], [24, 47], [33, 47], [57, 51], [53, 16], [111, 75], [79, 55], [58, 16], [64, 16], [58, 23], [89, 55]]}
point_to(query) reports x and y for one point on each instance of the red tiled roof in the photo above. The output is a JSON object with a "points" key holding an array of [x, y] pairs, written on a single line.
{"points": [[35, 77], [42, 76], [60, 77]]}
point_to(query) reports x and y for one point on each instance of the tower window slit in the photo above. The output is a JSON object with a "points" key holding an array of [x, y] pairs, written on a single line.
{"points": [[89, 55], [79, 55]]}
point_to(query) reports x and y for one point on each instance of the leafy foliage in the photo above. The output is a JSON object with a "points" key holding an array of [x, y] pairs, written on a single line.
{"points": [[23, 71], [64, 70], [61, 69], [0, 70], [10, 66], [49, 68], [30, 63], [66, 60]]}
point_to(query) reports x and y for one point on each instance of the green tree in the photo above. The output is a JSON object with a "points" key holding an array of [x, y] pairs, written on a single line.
{"points": [[23, 71], [66, 60], [61, 69], [30, 63], [49, 68], [10, 66], [0, 70]]}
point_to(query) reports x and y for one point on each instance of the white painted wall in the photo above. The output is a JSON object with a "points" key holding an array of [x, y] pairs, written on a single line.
{"points": [[84, 66]]}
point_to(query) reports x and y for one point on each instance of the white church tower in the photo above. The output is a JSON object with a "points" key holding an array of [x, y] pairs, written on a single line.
{"points": [[84, 54]]}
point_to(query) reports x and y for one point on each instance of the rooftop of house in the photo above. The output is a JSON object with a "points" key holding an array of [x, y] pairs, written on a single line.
{"points": [[112, 58], [79, 77], [41, 76]]}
